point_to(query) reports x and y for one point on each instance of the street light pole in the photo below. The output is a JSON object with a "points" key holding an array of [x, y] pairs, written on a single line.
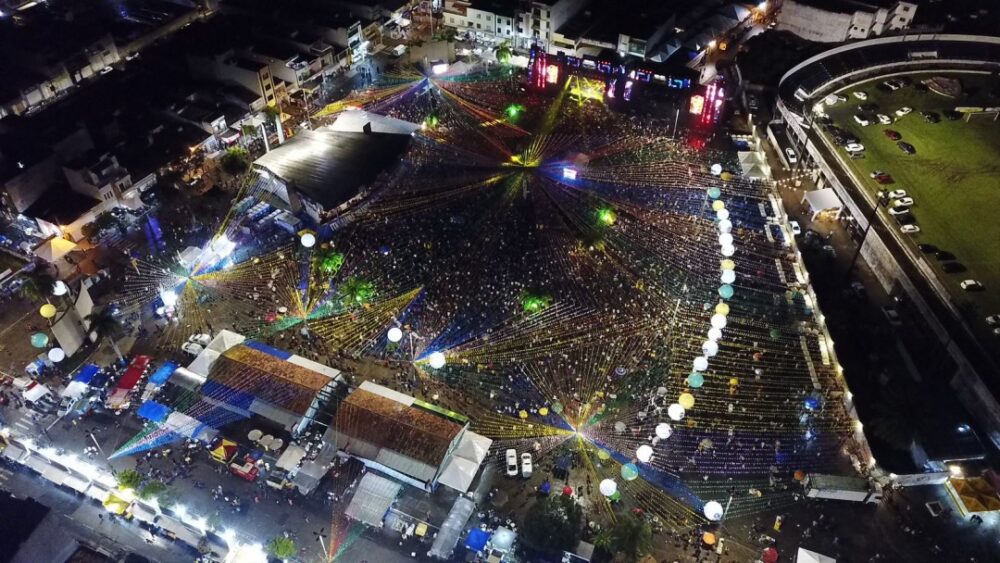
{"points": [[882, 200], [100, 449]]}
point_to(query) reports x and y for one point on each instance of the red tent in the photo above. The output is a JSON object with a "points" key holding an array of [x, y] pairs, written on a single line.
{"points": [[770, 555]]}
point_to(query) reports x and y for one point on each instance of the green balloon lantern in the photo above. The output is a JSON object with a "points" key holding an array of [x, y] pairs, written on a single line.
{"points": [[630, 472], [695, 380], [39, 340], [714, 193], [726, 291], [557, 407], [603, 455], [616, 496]]}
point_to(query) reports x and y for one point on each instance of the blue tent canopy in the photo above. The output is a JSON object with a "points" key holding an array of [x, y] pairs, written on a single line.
{"points": [[151, 410], [161, 375], [477, 539], [86, 373]]}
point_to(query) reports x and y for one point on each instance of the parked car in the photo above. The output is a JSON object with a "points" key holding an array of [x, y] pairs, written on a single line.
{"points": [[906, 147], [511, 458], [892, 315], [899, 210], [905, 110], [909, 229], [854, 147], [106, 70], [862, 120], [951, 115], [893, 135], [943, 255], [953, 267], [884, 179], [200, 339], [930, 116], [796, 228], [892, 85], [971, 285], [192, 348], [859, 291], [883, 119], [903, 201], [526, 466], [927, 248], [792, 157], [860, 95], [897, 194], [993, 320]]}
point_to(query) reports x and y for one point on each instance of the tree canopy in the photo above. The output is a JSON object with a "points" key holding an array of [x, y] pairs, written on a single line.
{"points": [[235, 161], [629, 539], [281, 547], [553, 525], [129, 479]]}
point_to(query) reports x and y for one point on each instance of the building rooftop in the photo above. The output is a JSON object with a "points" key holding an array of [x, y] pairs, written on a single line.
{"points": [[266, 374], [61, 205], [406, 429], [330, 167]]}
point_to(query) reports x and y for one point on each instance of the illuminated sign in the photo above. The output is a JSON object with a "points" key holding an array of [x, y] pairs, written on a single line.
{"points": [[552, 74], [697, 104], [569, 173]]}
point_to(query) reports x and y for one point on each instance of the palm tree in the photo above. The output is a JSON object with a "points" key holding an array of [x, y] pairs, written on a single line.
{"points": [[503, 52], [38, 282], [104, 324]]}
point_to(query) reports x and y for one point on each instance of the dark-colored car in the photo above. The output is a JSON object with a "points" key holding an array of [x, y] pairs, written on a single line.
{"points": [[906, 147], [943, 255], [927, 248], [920, 87], [868, 107], [951, 115], [893, 135], [881, 87], [884, 179], [953, 267], [930, 116]]}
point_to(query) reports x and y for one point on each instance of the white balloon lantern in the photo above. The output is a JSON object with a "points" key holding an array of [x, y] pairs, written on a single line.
{"points": [[663, 430], [57, 355], [728, 251], [675, 412], [710, 348], [700, 363], [728, 276], [725, 226], [718, 321], [715, 334], [308, 240], [644, 453], [722, 214], [59, 288], [437, 360], [394, 334], [713, 511], [608, 487], [716, 169], [725, 239]]}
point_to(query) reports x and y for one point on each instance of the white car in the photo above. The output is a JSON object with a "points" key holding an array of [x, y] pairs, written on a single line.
{"points": [[106, 70], [901, 210], [200, 339], [903, 111], [893, 85], [511, 458], [897, 194], [792, 157], [862, 120], [877, 173], [796, 228], [971, 285], [884, 119], [903, 201], [526, 466], [854, 147], [909, 229], [993, 320], [861, 95], [192, 348]]}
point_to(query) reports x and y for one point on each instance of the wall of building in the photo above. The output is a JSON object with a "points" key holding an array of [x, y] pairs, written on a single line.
{"points": [[24, 189], [829, 26]]}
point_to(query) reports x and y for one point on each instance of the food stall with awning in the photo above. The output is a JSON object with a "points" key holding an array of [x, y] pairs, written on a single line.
{"points": [[224, 451], [77, 483], [55, 474], [115, 504]]}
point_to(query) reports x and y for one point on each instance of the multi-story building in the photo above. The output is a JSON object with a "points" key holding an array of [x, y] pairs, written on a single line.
{"points": [[836, 21], [538, 21], [490, 20], [233, 66]]}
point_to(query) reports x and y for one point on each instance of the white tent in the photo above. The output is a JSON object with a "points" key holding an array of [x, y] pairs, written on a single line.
{"points": [[753, 165], [461, 469], [75, 390], [823, 200], [291, 457], [372, 499], [355, 120], [35, 392], [54, 249], [806, 556]]}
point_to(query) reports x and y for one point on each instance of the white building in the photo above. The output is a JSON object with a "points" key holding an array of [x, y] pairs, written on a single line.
{"points": [[831, 21], [490, 20]]}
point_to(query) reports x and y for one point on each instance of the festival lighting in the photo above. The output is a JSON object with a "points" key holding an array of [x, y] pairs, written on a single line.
{"points": [[663, 430], [644, 453], [59, 288], [437, 360], [606, 216], [700, 363], [713, 511], [569, 173], [439, 68], [169, 298], [675, 412], [308, 240], [608, 487]]}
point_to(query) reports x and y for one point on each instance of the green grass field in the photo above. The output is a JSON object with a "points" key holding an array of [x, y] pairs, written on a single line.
{"points": [[954, 178]]}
